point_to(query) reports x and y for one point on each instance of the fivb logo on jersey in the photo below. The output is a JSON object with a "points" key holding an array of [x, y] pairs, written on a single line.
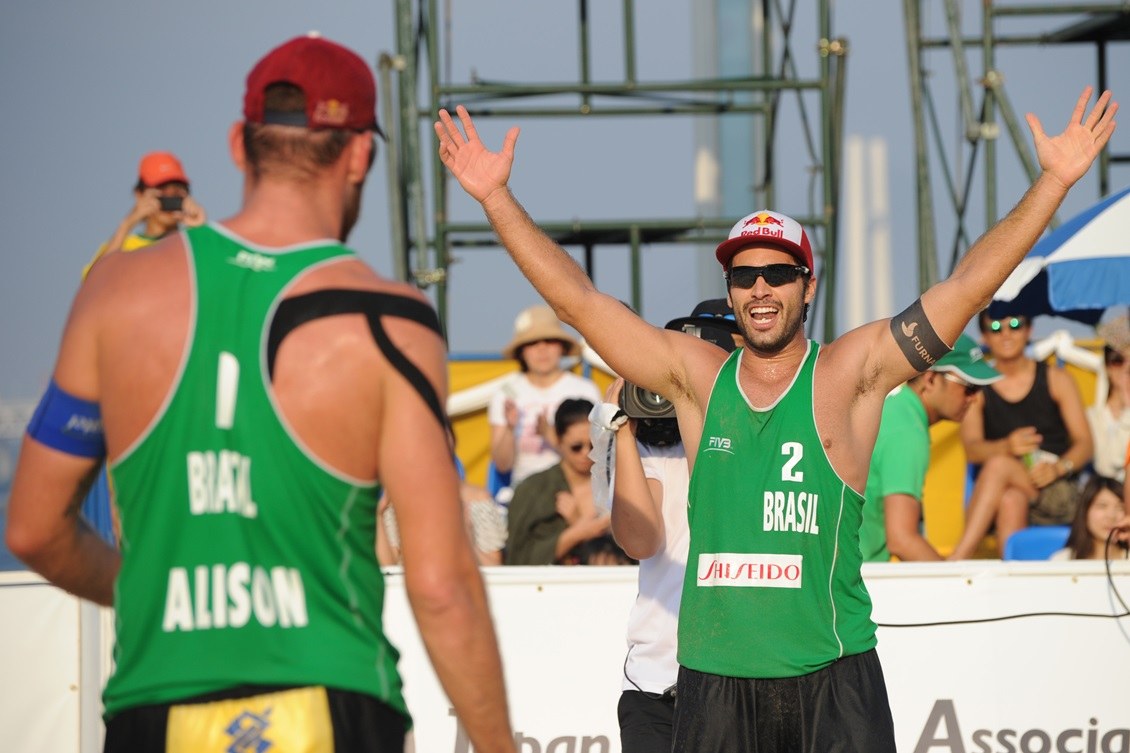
{"points": [[720, 444]]}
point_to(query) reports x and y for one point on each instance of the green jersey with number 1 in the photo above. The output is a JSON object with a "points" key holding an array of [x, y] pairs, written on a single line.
{"points": [[245, 560], [773, 585]]}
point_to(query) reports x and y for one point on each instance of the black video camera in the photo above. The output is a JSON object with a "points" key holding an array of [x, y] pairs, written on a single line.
{"points": [[711, 320], [640, 403]]}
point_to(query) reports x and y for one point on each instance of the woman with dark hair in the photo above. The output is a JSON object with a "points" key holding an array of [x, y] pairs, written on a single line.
{"points": [[1100, 509], [552, 512]]}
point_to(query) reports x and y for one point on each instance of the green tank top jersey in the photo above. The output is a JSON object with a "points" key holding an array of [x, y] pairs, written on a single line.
{"points": [[773, 585], [245, 559]]}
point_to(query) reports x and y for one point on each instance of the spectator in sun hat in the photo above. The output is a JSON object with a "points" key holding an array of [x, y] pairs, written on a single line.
{"points": [[521, 411], [892, 511], [162, 202]]}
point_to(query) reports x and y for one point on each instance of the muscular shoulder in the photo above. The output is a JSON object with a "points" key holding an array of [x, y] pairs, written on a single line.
{"points": [[352, 273], [134, 293]]}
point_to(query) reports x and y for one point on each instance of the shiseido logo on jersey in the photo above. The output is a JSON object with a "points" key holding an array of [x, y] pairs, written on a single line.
{"points": [[719, 444], [254, 262], [750, 570]]}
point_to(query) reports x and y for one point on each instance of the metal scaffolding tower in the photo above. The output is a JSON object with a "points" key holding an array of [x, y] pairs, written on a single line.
{"points": [[983, 105], [423, 236]]}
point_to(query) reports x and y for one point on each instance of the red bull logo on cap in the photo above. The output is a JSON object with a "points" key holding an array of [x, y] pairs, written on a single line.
{"points": [[331, 112], [772, 228], [762, 219], [764, 224]]}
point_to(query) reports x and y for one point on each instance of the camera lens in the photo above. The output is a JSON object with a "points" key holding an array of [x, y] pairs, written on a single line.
{"points": [[641, 403]]}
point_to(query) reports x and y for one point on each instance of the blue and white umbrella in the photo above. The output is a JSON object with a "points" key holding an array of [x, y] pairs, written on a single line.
{"points": [[1078, 270]]}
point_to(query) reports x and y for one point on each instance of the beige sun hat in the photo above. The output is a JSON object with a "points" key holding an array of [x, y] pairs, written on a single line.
{"points": [[1115, 332], [539, 323]]}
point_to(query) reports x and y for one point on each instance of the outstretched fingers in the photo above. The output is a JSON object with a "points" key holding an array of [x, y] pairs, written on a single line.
{"points": [[509, 142], [1081, 106], [1036, 128], [1105, 127], [468, 124], [447, 131], [1100, 121]]}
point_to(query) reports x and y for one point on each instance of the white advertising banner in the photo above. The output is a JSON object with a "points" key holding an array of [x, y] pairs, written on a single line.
{"points": [[1011, 657], [1017, 657], [979, 657], [40, 663]]}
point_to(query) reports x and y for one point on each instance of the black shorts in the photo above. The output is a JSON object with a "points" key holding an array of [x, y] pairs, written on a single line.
{"points": [[842, 708], [252, 719], [645, 721]]}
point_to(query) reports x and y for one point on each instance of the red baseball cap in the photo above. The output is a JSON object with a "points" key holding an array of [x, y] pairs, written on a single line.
{"points": [[768, 227], [339, 86], [158, 168]]}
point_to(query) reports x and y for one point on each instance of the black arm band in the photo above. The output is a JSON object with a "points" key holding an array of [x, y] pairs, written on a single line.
{"points": [[917, 338]]}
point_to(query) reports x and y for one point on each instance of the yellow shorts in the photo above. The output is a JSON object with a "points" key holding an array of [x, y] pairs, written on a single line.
{"points": [[290, 720]]}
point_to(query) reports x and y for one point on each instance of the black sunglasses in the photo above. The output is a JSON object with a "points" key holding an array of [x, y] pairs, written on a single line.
{"points": [[775, 275], [1015, 322], [578, 446]]}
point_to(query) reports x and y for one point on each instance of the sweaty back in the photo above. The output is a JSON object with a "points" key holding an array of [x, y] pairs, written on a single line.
{"points": [[236, 541]]}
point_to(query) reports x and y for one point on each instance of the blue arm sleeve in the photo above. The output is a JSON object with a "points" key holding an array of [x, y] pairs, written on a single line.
{"points": [[68, 424]]}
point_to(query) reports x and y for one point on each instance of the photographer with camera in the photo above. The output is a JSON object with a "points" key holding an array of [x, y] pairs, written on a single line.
{"points": [[649, 491], [161, 201]]}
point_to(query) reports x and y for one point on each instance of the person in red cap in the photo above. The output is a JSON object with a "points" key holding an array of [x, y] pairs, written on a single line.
{"points": [[776, 641], [253, 387], [162, 203]]}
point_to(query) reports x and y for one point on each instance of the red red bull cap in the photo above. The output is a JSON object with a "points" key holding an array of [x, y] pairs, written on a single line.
{"points": [[763, 226], [338, 85]]}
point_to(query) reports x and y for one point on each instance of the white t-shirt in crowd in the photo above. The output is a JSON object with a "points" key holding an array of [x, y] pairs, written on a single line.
{"points": [[1111, 436], [532, 452], [653, 623]]}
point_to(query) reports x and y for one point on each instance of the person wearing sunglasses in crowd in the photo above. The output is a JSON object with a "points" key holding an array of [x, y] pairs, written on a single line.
{"points": [[892, 514], [1100, 508], [776, 641], [552, 514], [1110, 417], [1029, 434]]}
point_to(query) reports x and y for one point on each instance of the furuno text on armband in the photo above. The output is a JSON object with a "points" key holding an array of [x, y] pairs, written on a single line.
{"points": [[917, 338]]}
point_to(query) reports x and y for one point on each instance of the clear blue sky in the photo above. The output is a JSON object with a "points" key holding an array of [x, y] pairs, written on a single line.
{"points": [[89, 87]]}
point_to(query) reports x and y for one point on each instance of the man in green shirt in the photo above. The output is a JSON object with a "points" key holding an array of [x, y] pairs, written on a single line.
{"points": [[892, 514], [776, 642], [253, 388]]}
